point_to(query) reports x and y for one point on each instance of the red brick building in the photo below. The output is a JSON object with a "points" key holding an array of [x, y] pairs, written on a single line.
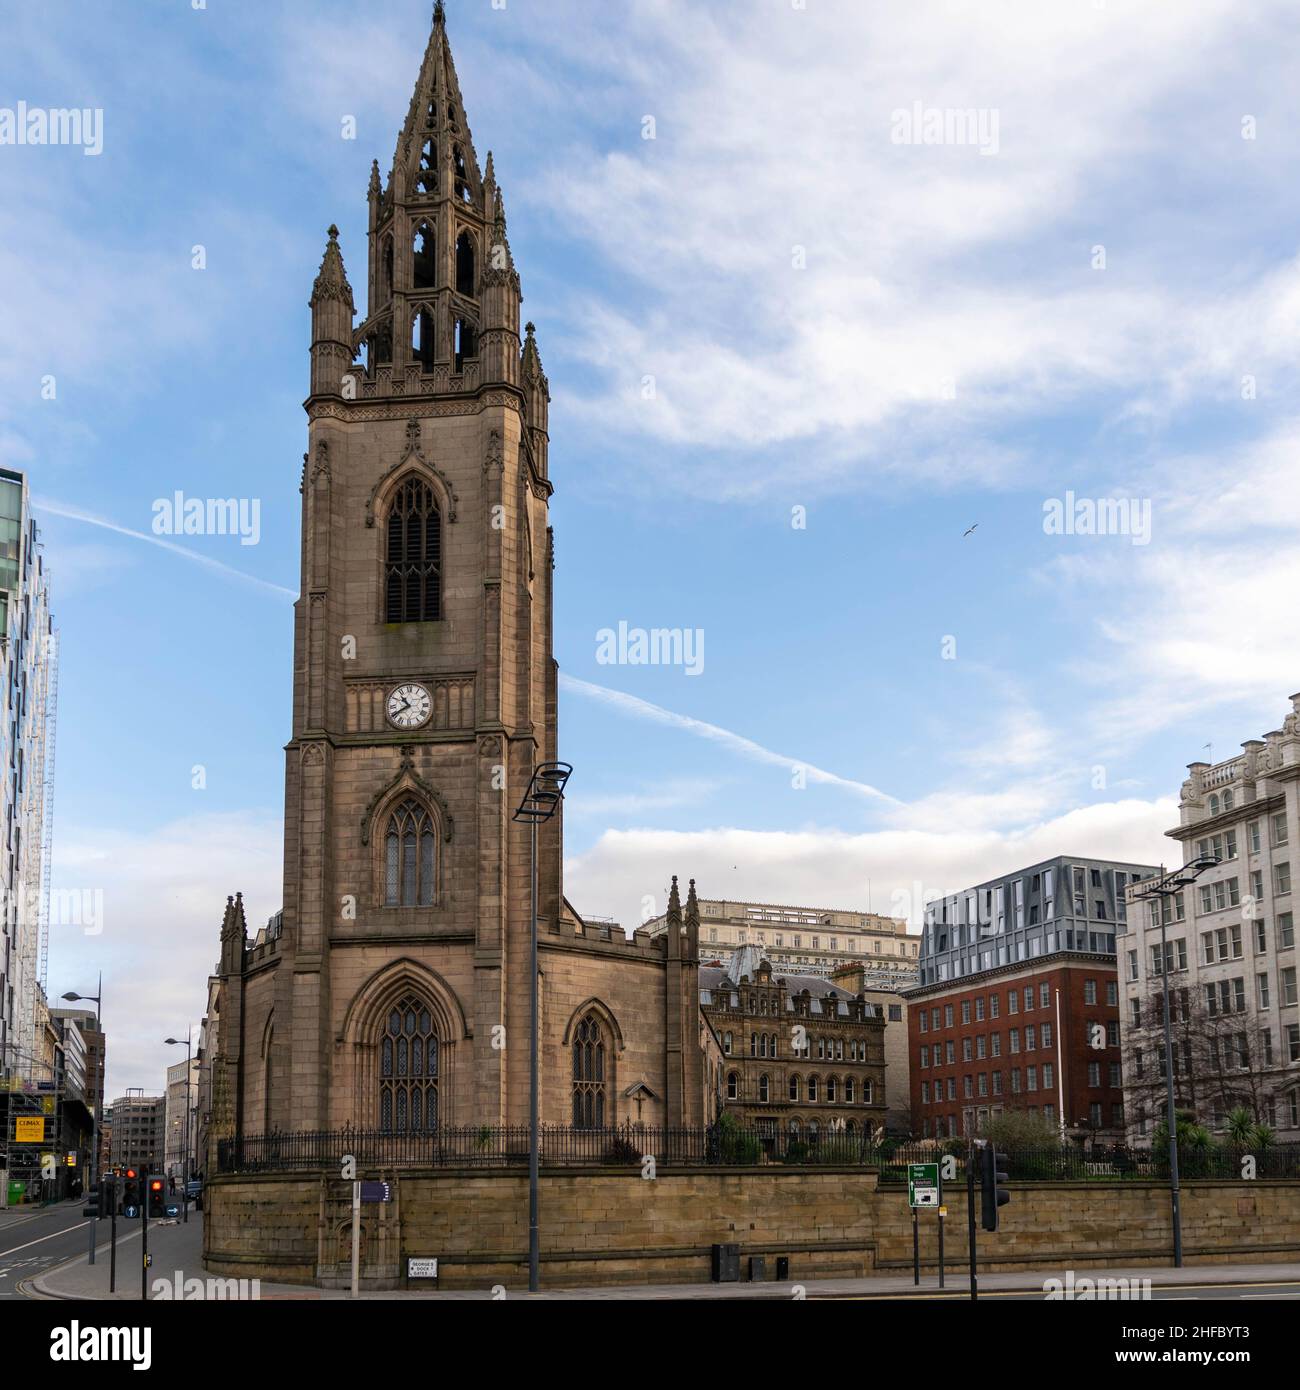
{"points": [[1001, 1040]]}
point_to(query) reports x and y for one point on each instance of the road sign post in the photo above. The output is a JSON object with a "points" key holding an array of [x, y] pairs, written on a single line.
{"points": [[922, 1191]]}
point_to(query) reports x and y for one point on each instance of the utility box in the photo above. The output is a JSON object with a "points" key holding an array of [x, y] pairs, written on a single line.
{"points": [[757, 1269], [782, 1268], [726, 1264]]}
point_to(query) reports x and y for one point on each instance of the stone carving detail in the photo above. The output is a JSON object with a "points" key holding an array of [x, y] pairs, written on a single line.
{"points": [[313, 755], [495, 453], [345, 410], [489, 747], [414, 450], [409, 778]]}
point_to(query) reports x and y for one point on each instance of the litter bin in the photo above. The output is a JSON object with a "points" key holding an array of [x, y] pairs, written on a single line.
{"points": [[782, 1268], [757, 1269]]}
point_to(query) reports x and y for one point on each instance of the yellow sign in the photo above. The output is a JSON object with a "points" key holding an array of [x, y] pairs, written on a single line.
{"points": [[47, 1104], [29, 1129]]}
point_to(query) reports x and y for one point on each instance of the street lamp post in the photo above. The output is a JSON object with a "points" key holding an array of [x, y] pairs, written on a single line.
{"points": [[540, 802], [185, 1196], [1166, 886], [93, 1164]]}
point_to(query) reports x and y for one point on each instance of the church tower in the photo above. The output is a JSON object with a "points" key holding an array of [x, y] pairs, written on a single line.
{"points": [[424, 680]]}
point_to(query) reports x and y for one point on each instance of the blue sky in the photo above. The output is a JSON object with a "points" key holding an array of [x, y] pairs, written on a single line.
{"points": [[900, 339]]}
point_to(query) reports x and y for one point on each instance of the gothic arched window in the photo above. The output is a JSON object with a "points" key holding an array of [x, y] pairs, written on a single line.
{"points": [[424, 265], [409, 857], [427, 178], [422, 338], [589, 1074], [462, 173], [408, 1069], [465, 264], [464, 342], [413, 567], [733, 1085]]}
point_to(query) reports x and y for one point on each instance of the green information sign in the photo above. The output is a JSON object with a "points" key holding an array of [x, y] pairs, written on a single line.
{"points": [[922, 1184]]}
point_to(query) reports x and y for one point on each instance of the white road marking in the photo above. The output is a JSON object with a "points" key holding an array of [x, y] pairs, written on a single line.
{"points": [[4, 1254]]}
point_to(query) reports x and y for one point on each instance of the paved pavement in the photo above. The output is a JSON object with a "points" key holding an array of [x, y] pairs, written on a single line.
{"points": [[177, 1250]]}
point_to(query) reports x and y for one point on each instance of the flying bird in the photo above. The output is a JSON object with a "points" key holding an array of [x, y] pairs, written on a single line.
{"points": [[966, 533]]}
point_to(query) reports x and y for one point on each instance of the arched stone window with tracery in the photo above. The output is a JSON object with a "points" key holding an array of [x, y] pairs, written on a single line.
{"points": [[590, 1061], [408, 1069], [410, 856]]}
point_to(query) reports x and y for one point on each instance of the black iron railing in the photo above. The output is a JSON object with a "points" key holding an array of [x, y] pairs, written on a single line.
{"points": [[726, 1144]]}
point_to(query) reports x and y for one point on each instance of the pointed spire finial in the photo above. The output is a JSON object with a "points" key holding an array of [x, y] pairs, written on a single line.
{"points": [[333, 232], [530, 328], [439, 13]]}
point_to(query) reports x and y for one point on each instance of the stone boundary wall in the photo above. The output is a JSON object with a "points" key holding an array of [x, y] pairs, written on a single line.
{"points": [[611, 1226]]}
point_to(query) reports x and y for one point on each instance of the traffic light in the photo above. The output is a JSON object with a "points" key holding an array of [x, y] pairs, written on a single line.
{"points": [[130, 1191], [992, 1172], [157, 1197]]}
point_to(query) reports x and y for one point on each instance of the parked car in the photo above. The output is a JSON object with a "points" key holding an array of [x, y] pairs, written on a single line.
{"points": [[194, 1191]]}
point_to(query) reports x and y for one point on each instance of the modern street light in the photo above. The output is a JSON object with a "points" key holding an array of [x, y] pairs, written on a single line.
{"points": [[93, 1166], [540, 802], [1166, 886], [185, 1197]]}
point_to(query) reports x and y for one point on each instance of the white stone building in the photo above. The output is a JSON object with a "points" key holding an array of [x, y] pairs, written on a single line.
{"points": [[808, 940], [1230, 950]]}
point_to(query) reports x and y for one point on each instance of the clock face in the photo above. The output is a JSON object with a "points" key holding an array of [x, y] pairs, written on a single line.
{"points": [[409, 707]]}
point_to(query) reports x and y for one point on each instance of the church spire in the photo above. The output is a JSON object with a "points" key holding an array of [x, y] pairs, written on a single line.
{"points": [[443, 307], [332, 310]]}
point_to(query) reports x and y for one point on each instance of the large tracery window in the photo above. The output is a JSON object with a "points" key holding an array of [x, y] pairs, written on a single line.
{"points": [[589, 1075], [408, 1070], [409, 857], [413, 567]]}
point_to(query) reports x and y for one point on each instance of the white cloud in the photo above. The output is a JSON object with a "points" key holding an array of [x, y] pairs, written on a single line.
{"points": [[163, 891]]}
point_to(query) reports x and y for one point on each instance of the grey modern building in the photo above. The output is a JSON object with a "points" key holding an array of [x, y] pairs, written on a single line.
{"points": [[27, 685], [1061, 904]]}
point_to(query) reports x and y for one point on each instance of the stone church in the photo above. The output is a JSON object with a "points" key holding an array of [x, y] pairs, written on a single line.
{"points": [[392, 991]]}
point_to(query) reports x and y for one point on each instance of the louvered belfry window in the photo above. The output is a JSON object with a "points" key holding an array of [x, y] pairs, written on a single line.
{"points": [[413, 568]]}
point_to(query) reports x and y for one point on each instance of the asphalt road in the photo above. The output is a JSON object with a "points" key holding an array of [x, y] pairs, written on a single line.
{"points": [[33, 1241], [1192, 1292]]}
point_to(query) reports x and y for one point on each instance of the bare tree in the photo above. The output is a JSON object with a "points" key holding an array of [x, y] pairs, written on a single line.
{"points": [[1222, 1058]]}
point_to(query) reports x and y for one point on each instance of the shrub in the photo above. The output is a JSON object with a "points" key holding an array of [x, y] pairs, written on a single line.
{"points": [[622, 1151]]}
